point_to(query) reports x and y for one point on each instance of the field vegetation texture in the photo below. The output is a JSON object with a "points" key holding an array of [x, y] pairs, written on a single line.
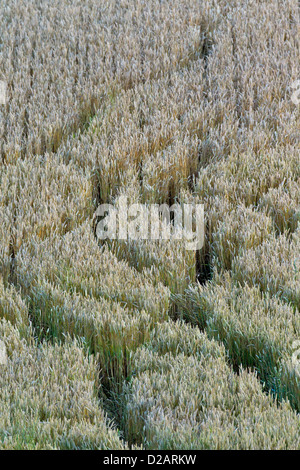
{"points": [[123, 344]]}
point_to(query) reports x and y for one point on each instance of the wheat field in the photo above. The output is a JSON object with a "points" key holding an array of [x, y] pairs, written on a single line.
{"points": [[124, 344]]}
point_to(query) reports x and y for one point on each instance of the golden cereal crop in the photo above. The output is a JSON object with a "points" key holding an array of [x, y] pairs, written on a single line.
{"points": [[123, 344]]}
